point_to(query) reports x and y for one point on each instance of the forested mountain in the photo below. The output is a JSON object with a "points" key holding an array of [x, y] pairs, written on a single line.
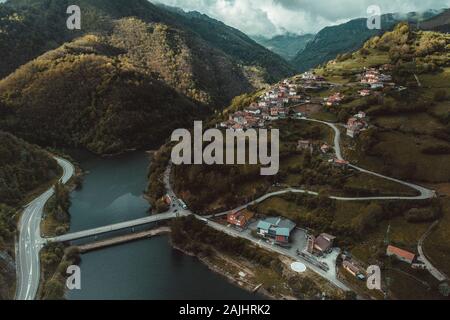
{"points": [[233, 42], [133, 73], [331, 41], [287, 45], [440, 23], [23, 167], [84, 94], [348, 37]]}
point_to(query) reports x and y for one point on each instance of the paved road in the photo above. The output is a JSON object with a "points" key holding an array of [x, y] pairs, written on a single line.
{"points": [[30, 241], [433, 270], [114, 227], [329, 275], [424, 193], [176, 210]]}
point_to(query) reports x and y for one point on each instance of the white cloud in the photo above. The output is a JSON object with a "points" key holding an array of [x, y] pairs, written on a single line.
{"points": [[271, 17]]}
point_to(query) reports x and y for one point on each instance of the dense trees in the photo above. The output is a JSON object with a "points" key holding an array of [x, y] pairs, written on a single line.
{"points": [[58, 207], [55, 259], [113, 106], [23, 167]]}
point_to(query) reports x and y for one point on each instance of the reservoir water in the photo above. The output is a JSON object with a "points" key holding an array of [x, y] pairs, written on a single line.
{"points": [[148, 269]]}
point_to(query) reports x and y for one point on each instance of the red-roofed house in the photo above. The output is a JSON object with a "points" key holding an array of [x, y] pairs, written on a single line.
{"points": [[400, 254], [240, 218]]}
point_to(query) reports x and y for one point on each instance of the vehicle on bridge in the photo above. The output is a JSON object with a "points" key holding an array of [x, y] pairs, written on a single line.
{"points": [[182, 204]]}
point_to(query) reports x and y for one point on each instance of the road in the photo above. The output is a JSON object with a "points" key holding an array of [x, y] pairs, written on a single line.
{"points": [[114, 227], [30, 242], [176, 210], [424, 193]]}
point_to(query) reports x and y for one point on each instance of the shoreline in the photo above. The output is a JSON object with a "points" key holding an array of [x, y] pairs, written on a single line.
{"points": [[230, 278]]}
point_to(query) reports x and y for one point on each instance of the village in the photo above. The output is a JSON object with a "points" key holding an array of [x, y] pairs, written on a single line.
{"points": [[292, 99], [320, 250]]}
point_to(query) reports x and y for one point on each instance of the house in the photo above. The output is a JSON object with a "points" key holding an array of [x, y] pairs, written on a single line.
{"points": [[353, 131], [324, 242], [254, 110], [262, 104], [304, 145], [340, 163], [376, 85], [351, 268], [356, 124], [400, 254], [360, 115], [364, 93], [167, 200], [325, 148], [334, 100], [240, 219], [278, 229], [274, 111]]}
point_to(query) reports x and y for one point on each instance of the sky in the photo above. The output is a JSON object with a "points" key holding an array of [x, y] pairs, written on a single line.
{"points": [[272, 17]]}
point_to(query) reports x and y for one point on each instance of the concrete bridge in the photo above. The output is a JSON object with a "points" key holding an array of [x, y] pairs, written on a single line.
{"points": [[118, 226]]}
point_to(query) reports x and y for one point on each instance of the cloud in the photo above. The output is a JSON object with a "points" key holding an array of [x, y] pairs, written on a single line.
{"points": [[271, 17]]}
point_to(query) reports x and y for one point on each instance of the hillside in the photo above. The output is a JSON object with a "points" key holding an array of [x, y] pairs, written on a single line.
{"points": [[440, 23], [36, 28], [412, 130], [234, 43], [334, 40], [407, 136], [348, 37], [85, 94], [286, 45], [23, 168]]}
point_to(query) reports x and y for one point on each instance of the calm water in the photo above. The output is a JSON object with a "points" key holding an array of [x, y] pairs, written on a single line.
{"points": [[147, 269]]}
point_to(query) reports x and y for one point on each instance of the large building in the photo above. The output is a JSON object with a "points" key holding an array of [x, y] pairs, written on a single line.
{"points": [[322, 244], [278, 229], [240, 219], [400, 254]]}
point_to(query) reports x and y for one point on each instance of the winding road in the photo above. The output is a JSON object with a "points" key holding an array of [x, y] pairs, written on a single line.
{"points": [[30, 242]]}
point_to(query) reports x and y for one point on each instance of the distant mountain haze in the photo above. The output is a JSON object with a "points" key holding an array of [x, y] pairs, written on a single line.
{"points": [[347, 37], [287, 45]]}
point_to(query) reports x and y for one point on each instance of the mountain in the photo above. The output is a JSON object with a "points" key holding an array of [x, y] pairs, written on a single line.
{"points": [[134, 73], [90, 94], [35, 26], [334, 40], [440, 22], [23, 167], [287, 45], [233, 42], [348, 37]]}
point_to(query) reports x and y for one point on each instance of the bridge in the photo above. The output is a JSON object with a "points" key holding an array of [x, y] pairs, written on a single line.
{"points": [[118, 226]]}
